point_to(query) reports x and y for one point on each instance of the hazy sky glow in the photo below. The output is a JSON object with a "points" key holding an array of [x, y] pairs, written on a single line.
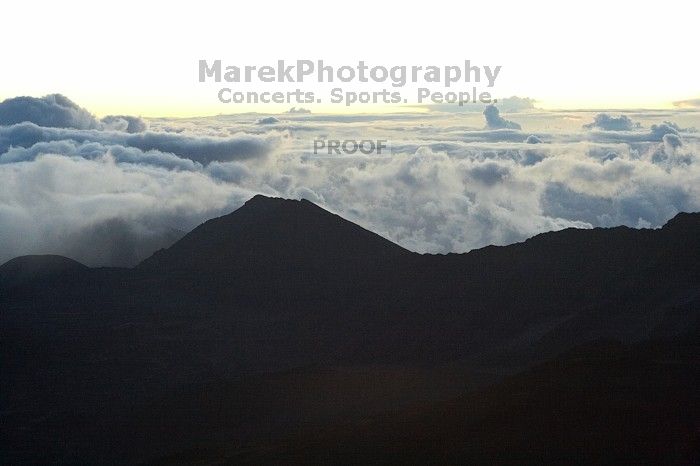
{"points": [[141, 57]]}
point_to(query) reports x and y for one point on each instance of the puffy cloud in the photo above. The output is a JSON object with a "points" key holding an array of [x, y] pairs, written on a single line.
{"points": [[638, 207], [98, 191], [126, 123], [489, 173], [298, 110], [607, 122], [58, 111], [672, 140], [268, 121], [532, 139], [668, 127], [671, 152], [495, 121], [659, 131], [110, 197], [53, 110], [202, 149], [232, 172], [94, 150]]}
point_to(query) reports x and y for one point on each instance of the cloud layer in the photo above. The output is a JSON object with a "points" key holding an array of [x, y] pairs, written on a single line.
{"points": [[58, 111], [111, 191]]}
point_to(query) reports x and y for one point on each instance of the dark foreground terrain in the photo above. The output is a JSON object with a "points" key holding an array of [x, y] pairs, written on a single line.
{"points": [[283, 334]]}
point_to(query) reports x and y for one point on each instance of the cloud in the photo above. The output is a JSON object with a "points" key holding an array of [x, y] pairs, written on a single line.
{"points": [[125, 123], [100, 211], [516, 104], [95, 150], [202, 149], [58, 111], [672, 152], [639, 207], [110, 197], [54, 110], [672, 140], [495, 121], [659, 131], [232, 172], [687, 103], [298, 110], [607, 122], [268, 121], [117, 242], [489, 173], [675, 127], [109, 192]]}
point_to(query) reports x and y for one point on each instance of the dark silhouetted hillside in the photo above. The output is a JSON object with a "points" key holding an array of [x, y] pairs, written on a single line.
{"points": [[604, 403], [282, 318], [278, 234], [26, 269]]}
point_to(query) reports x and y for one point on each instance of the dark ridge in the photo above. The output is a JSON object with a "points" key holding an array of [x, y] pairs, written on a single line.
{"points": [[684, 220], [282, 332], [36, 267], [276, 232], [605, 404]]}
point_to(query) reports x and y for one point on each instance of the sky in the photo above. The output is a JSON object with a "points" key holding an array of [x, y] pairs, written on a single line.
{"points": [[141, 58]]}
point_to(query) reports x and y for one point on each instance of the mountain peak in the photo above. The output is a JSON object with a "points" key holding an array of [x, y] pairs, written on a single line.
{"points": [[275, 231], [684, 220], [260, 201]]}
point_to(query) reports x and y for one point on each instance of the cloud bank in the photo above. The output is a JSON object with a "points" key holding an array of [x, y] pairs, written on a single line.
{"points": [[106, 195], [202, 149], [58, 111]]}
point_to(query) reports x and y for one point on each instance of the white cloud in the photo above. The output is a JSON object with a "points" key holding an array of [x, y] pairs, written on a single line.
{"points": [[99, 195]]}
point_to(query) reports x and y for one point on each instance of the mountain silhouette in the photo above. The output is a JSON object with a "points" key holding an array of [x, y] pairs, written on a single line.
{"points": [[282, 315], [271, 248], [274, 232], [26, 269]]}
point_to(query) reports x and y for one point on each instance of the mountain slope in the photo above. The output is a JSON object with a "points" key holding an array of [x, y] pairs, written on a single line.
{"points": [[600, 404], [274, 232], [282, 314], [26, 269]]}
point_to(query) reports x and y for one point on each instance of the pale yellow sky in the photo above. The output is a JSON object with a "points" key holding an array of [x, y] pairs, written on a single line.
{"points": [[141, 57]]}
